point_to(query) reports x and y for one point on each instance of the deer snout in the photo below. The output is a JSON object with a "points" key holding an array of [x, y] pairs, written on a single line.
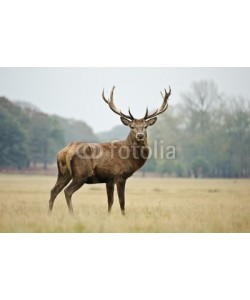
{"points": [[139, 136]]}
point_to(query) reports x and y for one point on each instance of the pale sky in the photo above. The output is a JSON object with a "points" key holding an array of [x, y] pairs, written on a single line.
{"points": [[76, 92]]}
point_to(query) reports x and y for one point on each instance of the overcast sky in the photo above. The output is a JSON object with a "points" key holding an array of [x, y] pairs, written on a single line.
{"points": [[76, 92]]}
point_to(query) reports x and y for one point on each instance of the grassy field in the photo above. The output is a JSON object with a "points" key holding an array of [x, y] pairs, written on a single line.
{"points": [[152, 205]]}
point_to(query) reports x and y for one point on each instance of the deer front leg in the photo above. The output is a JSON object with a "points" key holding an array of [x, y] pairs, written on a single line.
{"points": [[110, 194], [120, 184]]}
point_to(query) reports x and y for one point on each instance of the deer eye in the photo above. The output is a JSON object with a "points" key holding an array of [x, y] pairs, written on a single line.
{"points": [[145, 126], [132, 126]]}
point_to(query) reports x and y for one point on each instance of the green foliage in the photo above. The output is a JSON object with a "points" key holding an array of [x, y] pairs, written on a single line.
{"points": [[27, 136], [46, 138], [30, 137], [211, 134], [75, 130], [13, 141], [200, 167]]}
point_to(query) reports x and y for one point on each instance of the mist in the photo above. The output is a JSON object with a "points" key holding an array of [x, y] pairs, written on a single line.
{"points": [[76, 92]]}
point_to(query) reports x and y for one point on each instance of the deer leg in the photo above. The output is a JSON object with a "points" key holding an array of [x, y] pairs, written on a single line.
{"points": [[120, 184], [62, 181], [110, 194], [70, 189]]}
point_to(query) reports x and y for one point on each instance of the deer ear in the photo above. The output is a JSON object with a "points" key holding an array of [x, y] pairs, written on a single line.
{"points": [[125, 121], [151, 121]]}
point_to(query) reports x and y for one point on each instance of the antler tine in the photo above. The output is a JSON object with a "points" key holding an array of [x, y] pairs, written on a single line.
{"points": [[165, 100], [112, 93], [163, 106], [130, 114], [112, 106], [111, 96], [103, 97], [110, 101], [146, 114]]}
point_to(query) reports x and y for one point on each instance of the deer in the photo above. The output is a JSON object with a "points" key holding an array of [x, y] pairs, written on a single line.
{"points": [[111, 163]]}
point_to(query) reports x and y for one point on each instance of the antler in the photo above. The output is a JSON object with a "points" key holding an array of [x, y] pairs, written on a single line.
{"points": [[112, 106], [162, 108]]}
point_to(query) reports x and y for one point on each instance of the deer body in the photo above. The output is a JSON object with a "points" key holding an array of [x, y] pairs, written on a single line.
{"points": [[110, 163]]}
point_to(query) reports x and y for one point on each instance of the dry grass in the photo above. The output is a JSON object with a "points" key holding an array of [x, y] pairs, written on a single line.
{"points": [[152, 205]]}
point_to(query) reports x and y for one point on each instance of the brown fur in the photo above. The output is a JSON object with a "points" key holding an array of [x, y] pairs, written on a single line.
{"points": [[108, 168], [117, 162]]}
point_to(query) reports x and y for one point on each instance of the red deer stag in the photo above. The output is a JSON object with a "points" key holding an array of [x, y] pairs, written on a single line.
{"points": [[110, 163]]}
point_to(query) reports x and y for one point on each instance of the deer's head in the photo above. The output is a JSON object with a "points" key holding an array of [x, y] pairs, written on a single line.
{"points": [[138, 126]]}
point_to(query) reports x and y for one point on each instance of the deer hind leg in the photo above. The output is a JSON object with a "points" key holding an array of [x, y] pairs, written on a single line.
{"points": [[62, 181], [75, 184], [120, 184], [110, 194]]}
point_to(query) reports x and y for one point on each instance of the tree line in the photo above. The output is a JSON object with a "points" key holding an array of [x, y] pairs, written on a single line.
{"points": [[29, 137], [210, 132]]}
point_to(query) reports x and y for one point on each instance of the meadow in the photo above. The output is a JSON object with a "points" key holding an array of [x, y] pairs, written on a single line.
{"points": [[152, 205]]}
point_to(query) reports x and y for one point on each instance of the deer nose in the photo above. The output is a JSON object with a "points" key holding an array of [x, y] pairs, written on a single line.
{"points": [[140, 136]]}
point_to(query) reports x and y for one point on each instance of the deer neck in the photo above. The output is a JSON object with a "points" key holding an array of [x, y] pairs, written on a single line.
{"points": [[132, 141], [139, 150]]}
